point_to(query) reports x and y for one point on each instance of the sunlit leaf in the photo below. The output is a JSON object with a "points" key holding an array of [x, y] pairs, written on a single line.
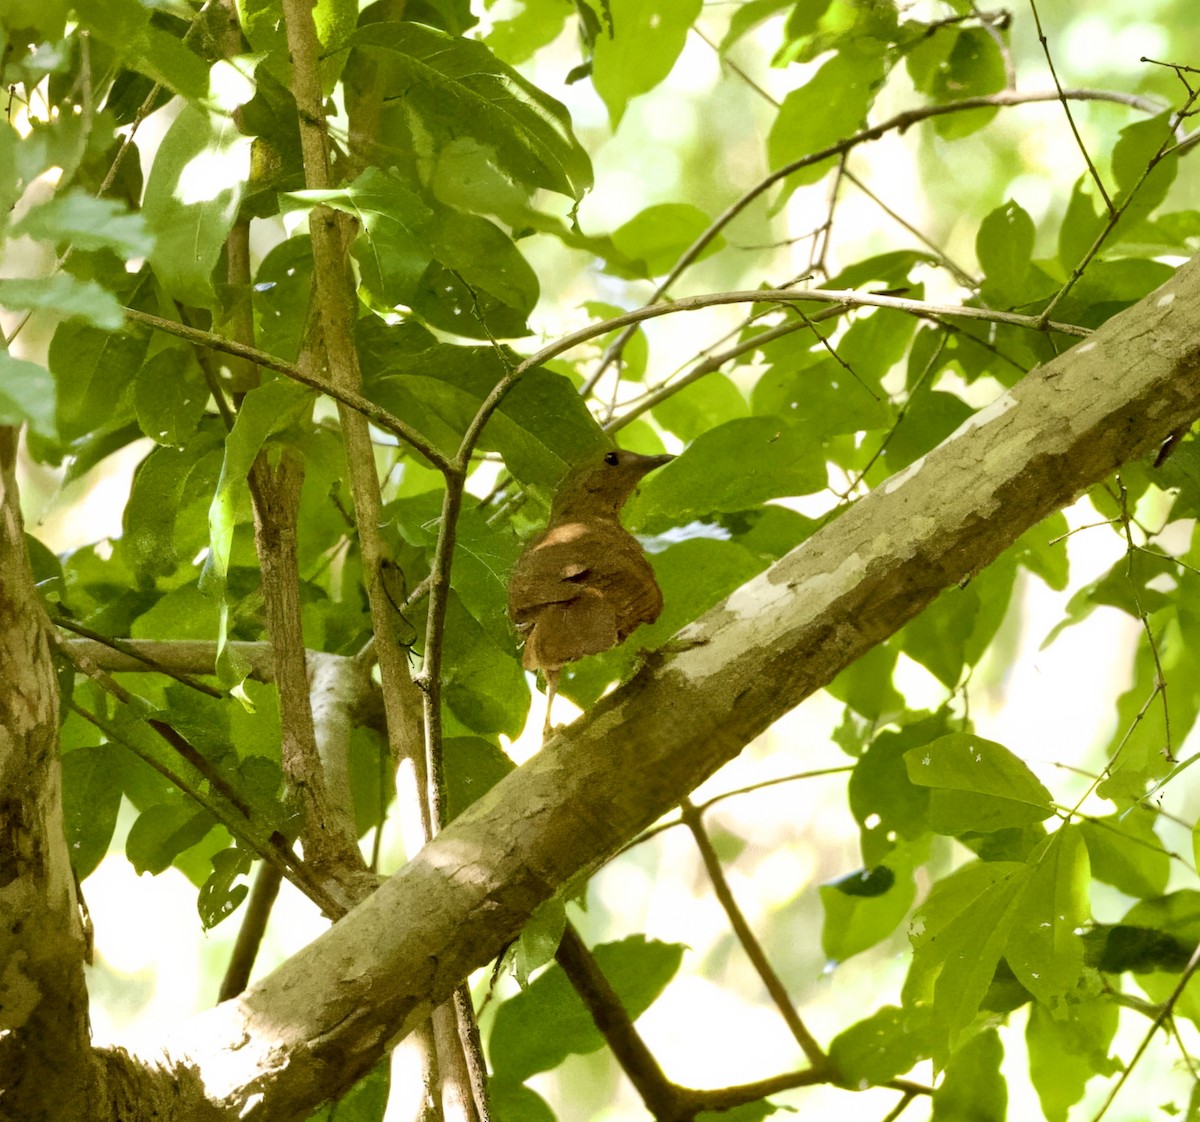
{"points": [[976, 785], [645, 40], [192, 197]]}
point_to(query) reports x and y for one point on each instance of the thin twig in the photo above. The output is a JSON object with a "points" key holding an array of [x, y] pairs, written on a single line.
{"points": [[959, 273], [1168, 147], [607, 1011], [845, 298], [275, 850], [901, 413], [1160, 679], [897, 123], [1087, 159], [147, 662], [900, 1107], [1163, 1014], [347, 396], [710, 364], [712, 863], [818, 773], [250, 935], [182, 746], [175, 656]]}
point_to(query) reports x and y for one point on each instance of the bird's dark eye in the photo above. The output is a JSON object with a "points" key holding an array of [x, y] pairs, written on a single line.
{"points": [[611, 458]]}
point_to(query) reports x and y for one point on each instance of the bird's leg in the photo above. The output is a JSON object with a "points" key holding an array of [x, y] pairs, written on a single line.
{"points": [[551, 689]]}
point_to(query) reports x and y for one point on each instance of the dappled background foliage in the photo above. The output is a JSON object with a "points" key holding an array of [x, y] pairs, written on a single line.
{"points": [[514, 173]]}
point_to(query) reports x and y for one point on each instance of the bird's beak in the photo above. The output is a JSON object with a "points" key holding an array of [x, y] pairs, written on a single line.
{"points": [[649, 463]]}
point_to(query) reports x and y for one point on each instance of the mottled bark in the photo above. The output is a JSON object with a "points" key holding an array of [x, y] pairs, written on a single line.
{"points": [[45, 1054]]}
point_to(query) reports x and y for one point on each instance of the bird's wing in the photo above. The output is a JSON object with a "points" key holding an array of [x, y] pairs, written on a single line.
{"points": [[546, 574], [561, 633]]}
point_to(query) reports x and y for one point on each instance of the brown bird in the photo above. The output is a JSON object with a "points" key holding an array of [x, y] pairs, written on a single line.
{"points": [[584, 584]]}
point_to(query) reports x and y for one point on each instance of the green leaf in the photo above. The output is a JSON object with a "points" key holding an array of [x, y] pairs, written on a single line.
{"points": [[483, 557], [657, 236], [479, 285], [94, 369], [700, 406], [1126, 852], [170, 396], [1140, 145], [125, 27], [749, 15], [646, 39], [937, 638], [394, 248], [817, 26], [973, 1088], [1004, 246], [542, 426], [1136, 747], [512, 1101], [831, 106], [538, 24], [537, 1029], [366, 1101], [817, 394], [1067, 1047], [1133, 585], [1016, 843], [27, 394], [1041, 551], [1080, 226], [47, 17], [219, 896], [1045, 950], [956, 63], [1107, 287], [866, 686], [877, 340], [438, 90], [885, 1045], [539, 939], [977, 785], [473, 767], [266, 410], [91, 798], [956, 630], [958, 936], [68, 296], [483, 685], [263, 25], [184, 613], [165, 522], [734, 467], [282, 289], [1154, 935], [864, 908], [931, 417], [192, 197], [163, 831], [86, 222], [886, 803], [1156, 939]]}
